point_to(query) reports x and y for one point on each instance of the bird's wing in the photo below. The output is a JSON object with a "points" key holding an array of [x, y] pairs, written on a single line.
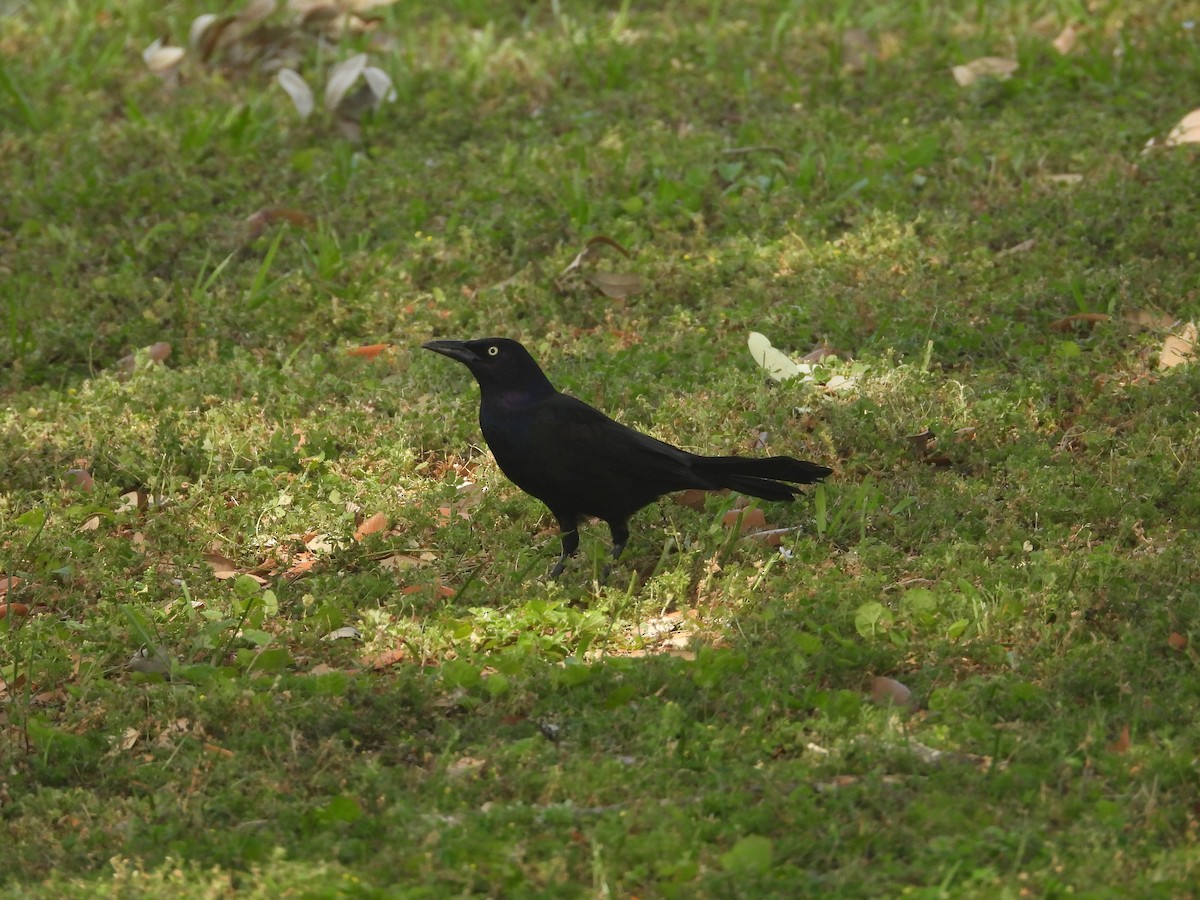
{"points": [[588, 438]]}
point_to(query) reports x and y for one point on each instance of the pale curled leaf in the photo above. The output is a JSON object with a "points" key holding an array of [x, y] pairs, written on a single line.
{"points": [[1065, 41], [1186, 132], [617, 285], [1150, 319], [296, 88], [778, 365], [589, 250], [380, 83], [1178, 349], [200, 26], [160, 59], [257, 10], [996, 67], [342, 78]]}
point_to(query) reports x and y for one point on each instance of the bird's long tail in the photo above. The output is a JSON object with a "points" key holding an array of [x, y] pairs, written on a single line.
{"points": [[757, 477]]}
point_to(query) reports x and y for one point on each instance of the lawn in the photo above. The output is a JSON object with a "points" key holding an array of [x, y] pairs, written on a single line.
{"points": [[275, 624]]}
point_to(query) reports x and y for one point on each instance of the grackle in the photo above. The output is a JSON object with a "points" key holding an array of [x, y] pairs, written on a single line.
{"points": [[579, 462]]}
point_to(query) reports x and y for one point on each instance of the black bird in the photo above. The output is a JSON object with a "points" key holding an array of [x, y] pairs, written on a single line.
{"points": [[580, 462]]}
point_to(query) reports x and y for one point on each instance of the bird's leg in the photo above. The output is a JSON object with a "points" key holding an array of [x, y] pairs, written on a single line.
{"points": [[570, 543], [620, 536]]}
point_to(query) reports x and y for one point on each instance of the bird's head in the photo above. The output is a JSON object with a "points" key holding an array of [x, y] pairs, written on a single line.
{"points": [[496, 363]]}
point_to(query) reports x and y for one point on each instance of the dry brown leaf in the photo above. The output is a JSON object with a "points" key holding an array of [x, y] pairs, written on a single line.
{"points": [[258, 222], [692, 499], [589, 250], [1122, 743], [617, 285], [370, 351], [890, 692], [752, 519], [1150, 319], [129, 738], [1177, 641], [17, 609], [388, 658], [920, 442], [302, 566], [822, 353], [1069, 322], [1065, 41], [6, 582], [372, 525], [1178, 349], [996, 67], [223, 567], [80, 479]]}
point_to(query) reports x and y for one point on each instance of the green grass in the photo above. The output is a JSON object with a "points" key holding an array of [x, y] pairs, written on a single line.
{"points": [[702, 724]]}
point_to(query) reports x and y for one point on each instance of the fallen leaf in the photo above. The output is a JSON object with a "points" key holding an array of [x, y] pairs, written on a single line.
{"points": [[7, 582], [17, 609], [1178, 349], [91, 524], [995, 67], [81, 479], [589, 250], [1065, 40], [223, 567], [1177, 641], [129, 738], [158, 351], [752, 519], [1069, 322], [1065, 178], [617, 285], [822, 353], [401, 561], [131, 500], [692, 499], [1122, 743], [370, 351], [466, 765], [372, 525], [257, 222], [341, 79], [778, 364], [920, 441], [388, 658], [1023, 247], [162, 60], [297, 88], [1186, 132], [890, 692], [1150, 319], [257, 10]]}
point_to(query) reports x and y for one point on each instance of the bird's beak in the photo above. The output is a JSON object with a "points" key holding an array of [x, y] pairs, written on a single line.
{"points": [[453, 349]]}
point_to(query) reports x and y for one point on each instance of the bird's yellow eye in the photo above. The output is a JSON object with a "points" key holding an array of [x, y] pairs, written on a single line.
{"points": [[493, 351]]}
